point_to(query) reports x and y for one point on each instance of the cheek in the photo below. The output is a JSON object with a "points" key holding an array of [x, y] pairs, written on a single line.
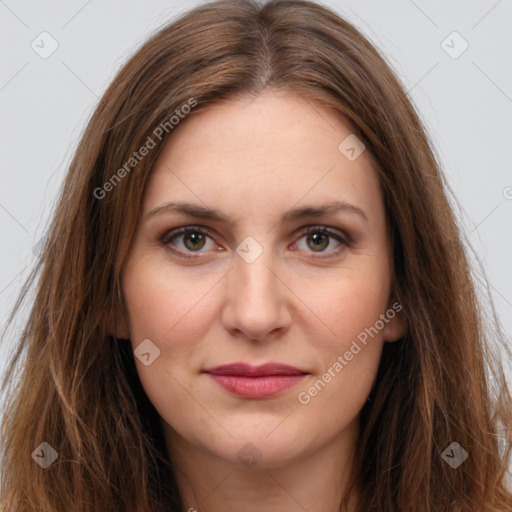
{"points": [[351, 342], [174, 312], [171, 311], [349, 304], [350, 360], [160, 302]]}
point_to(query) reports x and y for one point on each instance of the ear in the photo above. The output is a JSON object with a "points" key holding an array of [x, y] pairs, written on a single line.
{"points": [[396, 326]]}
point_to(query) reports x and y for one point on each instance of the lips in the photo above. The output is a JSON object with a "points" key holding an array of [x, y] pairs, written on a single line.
{"points": [[249, 381], [246, 370]]}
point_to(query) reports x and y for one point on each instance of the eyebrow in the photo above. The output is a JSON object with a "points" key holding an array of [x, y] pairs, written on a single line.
{"points": [[303, 212]]}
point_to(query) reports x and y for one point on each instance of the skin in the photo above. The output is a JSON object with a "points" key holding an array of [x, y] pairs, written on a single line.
{"points": [[253, 159]]}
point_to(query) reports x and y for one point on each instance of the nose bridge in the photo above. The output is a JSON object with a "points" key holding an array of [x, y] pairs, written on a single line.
{"points": [[252, 273], [256, 303]]}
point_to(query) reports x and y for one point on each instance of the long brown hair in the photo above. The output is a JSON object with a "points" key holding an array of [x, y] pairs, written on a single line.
{"points": [[72, 385]]}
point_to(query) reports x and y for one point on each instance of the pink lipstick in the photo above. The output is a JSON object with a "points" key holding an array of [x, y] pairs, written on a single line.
{"points": [[263, 381]]}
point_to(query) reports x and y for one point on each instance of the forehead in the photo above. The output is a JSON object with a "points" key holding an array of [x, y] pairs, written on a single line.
{"points": [[266, 152]]}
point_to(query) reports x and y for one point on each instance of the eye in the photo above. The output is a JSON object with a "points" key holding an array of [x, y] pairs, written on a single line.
{"points": [[319, 238], [194, 239]]}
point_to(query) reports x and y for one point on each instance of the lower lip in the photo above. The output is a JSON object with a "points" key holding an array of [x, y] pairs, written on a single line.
{"points": [[256, 387]]}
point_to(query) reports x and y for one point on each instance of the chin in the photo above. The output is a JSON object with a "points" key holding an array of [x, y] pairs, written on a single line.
{"points": [[260, 447]]}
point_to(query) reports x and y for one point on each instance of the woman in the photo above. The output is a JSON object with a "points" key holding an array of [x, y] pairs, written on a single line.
{"points": [[254, 294]]}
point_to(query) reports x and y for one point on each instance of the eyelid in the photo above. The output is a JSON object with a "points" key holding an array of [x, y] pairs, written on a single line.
{"points": [[334, 232], [168, 235]]}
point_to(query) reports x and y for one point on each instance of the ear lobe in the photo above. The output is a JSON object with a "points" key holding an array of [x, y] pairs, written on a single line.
{"points": [[396, 327]]}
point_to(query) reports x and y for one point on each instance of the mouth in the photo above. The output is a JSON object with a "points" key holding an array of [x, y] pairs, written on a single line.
{"points": [[247, 381]]}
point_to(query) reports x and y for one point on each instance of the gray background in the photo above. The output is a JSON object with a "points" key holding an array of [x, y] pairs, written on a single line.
{"points": [[465, 102]]}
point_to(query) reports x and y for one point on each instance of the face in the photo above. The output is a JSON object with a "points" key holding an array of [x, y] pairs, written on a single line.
{"points": [[293, 268]]}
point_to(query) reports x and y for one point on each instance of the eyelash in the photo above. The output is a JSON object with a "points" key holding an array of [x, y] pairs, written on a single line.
{"points": [[345, 240]]}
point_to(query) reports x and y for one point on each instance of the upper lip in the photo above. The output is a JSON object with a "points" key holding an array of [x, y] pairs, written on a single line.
{"points": [[247, 370]]}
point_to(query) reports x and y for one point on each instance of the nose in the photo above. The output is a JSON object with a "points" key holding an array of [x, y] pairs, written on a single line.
{"points": [[258, 300]]}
